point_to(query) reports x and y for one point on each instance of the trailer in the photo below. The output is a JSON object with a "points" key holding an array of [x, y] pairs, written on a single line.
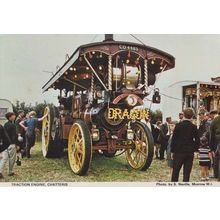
{"points": [[5, 106]]}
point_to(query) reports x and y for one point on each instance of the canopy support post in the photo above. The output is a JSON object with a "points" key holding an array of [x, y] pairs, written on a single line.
{"points": [[197, 103], [92, 88], [110, 72], [145, 76], [94, 72]]}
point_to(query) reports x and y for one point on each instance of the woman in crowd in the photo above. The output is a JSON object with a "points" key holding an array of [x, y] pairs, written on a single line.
{"points": [[156, 133], [29, 125], [169, 155]]}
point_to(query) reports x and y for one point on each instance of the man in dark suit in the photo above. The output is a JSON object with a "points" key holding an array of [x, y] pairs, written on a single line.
{"points": [[215, 144], [164, 136], [203, 126], [9, 153], [185, 141], [20, 132], [4, 141]]}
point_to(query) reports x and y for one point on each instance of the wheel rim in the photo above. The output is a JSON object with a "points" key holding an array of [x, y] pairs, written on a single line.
{"points": [[137, 156], [76, 148], [46, 132]]}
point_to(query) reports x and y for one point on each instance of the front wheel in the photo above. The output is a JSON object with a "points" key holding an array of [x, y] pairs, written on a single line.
{"points": [[79, 148], [140, 156]]}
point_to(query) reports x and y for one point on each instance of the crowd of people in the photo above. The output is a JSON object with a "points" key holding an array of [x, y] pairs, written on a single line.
{"points": [[17, 137], [183, 141], [179, 142]]}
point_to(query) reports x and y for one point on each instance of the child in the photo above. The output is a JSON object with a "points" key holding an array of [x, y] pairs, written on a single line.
{"points": [[155, 136], [204, 158], [169, 155]]}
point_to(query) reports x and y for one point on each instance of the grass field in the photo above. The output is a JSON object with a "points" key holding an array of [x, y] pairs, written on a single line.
{"points": [[102, 169]]}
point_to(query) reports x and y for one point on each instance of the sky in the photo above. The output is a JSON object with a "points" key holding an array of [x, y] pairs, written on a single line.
{"points": [[25, 58]]}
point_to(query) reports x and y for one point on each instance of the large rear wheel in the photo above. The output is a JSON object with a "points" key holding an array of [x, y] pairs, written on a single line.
{"points": [[141, 155], [79, 148], [52, 145]]}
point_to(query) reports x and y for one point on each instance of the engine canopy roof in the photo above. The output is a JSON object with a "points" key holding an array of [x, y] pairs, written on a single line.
{"points": [[158, 60]]}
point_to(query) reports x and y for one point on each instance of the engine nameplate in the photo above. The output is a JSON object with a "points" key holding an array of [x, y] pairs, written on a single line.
{"points": [[133, 114]]}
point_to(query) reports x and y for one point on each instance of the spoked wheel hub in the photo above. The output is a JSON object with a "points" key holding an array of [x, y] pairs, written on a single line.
{"points": [[141, 153]]}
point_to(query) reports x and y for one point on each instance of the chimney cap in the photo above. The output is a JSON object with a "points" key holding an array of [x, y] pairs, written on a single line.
{"points": [[109, 37]]}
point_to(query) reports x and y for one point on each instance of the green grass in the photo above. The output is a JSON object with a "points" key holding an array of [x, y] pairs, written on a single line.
{"points": [[102, 169]]}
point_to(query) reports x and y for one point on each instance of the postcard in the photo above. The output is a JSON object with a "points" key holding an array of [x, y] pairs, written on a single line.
{"points": [[127, 110]]}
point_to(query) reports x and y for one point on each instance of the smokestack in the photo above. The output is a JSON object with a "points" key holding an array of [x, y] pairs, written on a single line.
{"points": [[109, 37]]}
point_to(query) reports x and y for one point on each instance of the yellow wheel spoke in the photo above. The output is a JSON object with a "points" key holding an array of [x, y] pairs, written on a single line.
{"points": [[143, 153], [130, 152], [136, 136], [80, 150], [79, 160], [136, 156]]}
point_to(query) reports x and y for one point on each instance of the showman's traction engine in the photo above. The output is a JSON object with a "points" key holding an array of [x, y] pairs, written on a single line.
{"points": [[102, 89]]}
